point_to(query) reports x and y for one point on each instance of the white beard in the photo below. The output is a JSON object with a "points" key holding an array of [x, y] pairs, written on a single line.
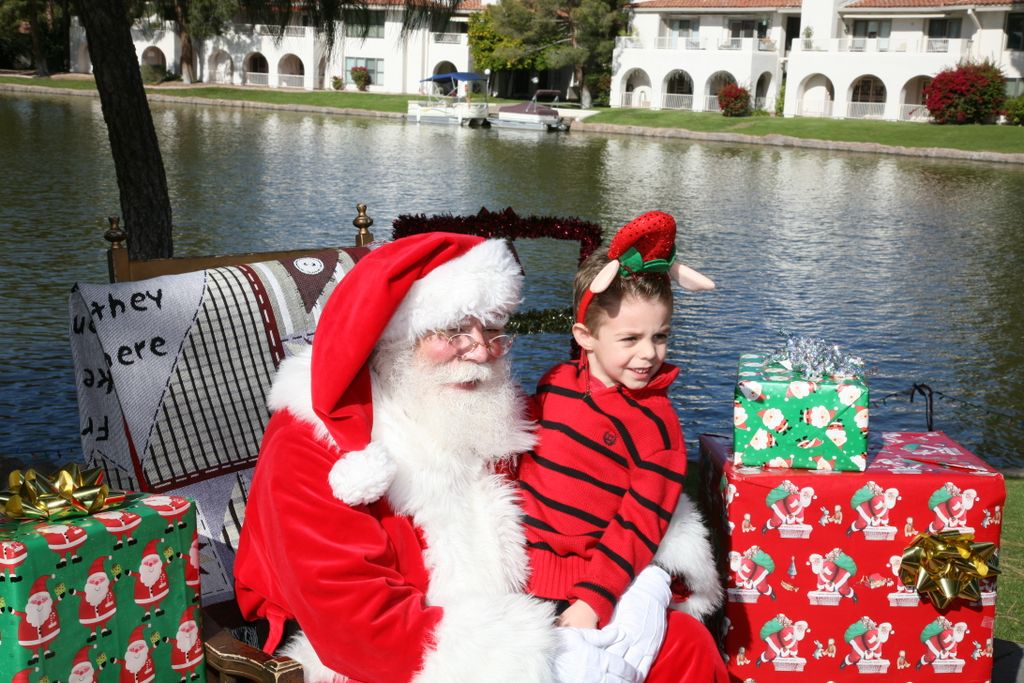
{"points": [[135, 659], [37, 612], [149, 572], [83, 673], [444, 442], [95, 592], [187, 636], [479, 423]]}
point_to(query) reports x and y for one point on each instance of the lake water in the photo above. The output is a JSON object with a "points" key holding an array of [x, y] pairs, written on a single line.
{"points": [[912, 264]]}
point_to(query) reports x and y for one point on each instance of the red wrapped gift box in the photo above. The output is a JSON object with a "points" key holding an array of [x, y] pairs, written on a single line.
{"points": [[811, 562]]}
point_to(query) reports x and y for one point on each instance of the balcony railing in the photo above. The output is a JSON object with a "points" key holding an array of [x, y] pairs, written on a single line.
{"points": [[864, 45], [677, 43], [448, 38], [630, 42], [731, 44], [821, 108], [286, 32], [257, 78], [903, 43], [865, 110], [915, 112], [677, 101], [711, 103], [636, 100], [291, 80]]}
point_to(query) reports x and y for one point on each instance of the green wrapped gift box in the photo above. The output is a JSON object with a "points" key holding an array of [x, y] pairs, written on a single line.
{"points": [[112, 596], [783, 419]]}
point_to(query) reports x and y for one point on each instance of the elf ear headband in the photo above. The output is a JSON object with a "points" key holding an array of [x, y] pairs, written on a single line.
{"points": [[647, 244]]}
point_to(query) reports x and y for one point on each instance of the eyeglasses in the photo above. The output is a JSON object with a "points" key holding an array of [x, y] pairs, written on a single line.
{"points": [[464, 343]]}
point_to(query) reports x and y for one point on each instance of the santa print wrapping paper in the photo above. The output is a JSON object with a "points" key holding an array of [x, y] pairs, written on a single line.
{"points": [[108, 598], [811, 561], [783, 419]]}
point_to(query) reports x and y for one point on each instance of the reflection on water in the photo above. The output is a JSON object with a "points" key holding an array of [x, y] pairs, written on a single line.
{"points": [[912, 264]]}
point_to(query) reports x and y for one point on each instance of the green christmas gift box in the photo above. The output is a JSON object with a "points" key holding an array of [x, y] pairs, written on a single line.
{"points": [[103, 597], [890, 572], [785, 415]]}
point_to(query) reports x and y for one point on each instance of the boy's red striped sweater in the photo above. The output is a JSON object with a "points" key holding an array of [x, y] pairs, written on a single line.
{"points": [[601, 485]]}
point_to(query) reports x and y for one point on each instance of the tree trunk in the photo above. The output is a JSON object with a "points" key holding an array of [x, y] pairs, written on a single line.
{"points": [[38, 54], [145, 204], [185, 67]]}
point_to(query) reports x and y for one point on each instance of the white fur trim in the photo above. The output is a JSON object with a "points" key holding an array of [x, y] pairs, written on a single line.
{"points": [[495, 638], [313, 670], [292, 391], [685, 551], [361, 477], [483, 283]]}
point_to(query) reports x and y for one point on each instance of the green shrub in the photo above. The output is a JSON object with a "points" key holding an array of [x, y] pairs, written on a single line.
{"points": [[153, 74], [780, 101], [734, 100], [361, 77], [1015, 110], [338, 83], [970, 93]]}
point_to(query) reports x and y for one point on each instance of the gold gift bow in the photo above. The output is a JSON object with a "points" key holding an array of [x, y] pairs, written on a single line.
{"points": [[948, 565], [68, 492]]}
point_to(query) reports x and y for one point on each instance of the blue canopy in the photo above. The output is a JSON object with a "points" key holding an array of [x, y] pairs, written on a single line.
{"points": [[455, 76]]}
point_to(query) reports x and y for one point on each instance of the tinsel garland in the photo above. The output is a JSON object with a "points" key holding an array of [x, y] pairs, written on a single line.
{"points": [[816, 359], [507, 224]]}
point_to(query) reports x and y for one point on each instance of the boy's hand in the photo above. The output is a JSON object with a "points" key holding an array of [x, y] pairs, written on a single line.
{"points": [[578, 615]]}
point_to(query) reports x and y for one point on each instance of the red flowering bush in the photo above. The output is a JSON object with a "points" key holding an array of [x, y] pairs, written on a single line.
{"points": [[360, 76], [970, 93], [734, 100]]}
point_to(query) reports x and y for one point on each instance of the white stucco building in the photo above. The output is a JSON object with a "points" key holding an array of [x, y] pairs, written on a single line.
{"points": [[297, 56], [844, 59]]}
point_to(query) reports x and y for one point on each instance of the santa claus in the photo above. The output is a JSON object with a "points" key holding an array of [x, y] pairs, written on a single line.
{"points": [[12, 554], [171, 508], [98, 604], [379, 509], [40, 624], [63, 539], [187, 654], [192, 566], [120, 523], [151, 585], [137, 664], [82, 669]]}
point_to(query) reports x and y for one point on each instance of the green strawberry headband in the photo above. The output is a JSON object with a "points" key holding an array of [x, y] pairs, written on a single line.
{"points": [[647, 244]]}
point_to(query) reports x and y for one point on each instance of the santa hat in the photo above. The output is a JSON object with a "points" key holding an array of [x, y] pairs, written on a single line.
{"points": [[396, 294], [22, 676], [39, 586], [97, 566], [186, 616], [150, 549], [136, 635], [82, 657], [647, 244]]}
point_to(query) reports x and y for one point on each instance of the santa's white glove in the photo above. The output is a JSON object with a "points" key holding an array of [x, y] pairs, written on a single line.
{"points": [[581, 657], [642, 617]]}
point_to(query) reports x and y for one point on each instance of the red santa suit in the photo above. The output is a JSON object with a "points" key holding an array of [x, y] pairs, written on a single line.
{"points": [[419, 564], [98, 605], [36, 636], [151, 587], [192, 566], [137, 665], [63, 539], [171, 508], [187, 653], [120, 523], [12, 554]]}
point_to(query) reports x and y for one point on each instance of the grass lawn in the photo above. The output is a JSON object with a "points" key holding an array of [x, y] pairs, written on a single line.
{"points": [[1008, 139], [971, 137], [1010, 604]]}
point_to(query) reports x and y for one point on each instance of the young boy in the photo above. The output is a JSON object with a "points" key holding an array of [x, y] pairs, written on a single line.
{"points": [[601, 485]]}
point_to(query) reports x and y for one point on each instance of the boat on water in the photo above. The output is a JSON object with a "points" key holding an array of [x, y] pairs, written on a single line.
{"points": [[445, 103], [532, 115]]}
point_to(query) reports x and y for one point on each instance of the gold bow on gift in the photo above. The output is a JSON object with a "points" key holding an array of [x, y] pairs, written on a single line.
{"points": [[947, 565], [68, 492]]}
